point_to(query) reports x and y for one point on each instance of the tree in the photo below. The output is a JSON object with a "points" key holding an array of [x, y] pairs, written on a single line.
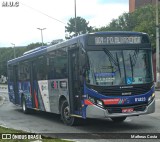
{"points": [[124, 22], [141, 20], [7, 54], [82, 27], [35, 45], [146, 22]]}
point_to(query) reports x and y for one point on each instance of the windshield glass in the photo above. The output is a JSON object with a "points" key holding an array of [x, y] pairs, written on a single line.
{"points": [[119, 67]]}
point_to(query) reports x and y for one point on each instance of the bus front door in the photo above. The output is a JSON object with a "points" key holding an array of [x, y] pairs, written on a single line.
{"points": [[74, 82], [15, 85]]}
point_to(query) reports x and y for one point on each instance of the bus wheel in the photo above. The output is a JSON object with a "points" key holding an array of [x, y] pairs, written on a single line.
{"points": [[118, 119], [24, 107], [65, 114]]}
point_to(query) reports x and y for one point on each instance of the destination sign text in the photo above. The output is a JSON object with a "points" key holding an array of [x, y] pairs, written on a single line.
{"points": [[117, 40]]}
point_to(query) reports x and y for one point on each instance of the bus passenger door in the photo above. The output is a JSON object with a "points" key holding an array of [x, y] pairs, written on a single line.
{"points": [[32, 80], [74, 81], [15, 84]]}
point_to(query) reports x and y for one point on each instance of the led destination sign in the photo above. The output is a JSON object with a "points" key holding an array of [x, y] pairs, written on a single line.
{"points": [[117, 40]]}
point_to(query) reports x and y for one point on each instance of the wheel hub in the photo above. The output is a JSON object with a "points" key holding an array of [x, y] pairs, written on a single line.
{"points": [[24, 107], [67, 113]]}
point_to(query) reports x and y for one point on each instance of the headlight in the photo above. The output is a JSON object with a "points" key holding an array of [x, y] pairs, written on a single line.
{"points": [[95, 101], [100, 103], [91, 99], [151, 98]]}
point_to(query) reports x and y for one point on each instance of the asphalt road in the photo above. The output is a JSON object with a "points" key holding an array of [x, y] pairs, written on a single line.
{"points": [[39, 122]]}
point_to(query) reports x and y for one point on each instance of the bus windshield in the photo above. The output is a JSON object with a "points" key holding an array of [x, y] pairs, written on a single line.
{"points": [[119, 67]]}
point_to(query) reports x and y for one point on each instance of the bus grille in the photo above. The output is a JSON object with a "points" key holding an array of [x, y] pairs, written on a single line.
{"points": [[119, 90]]}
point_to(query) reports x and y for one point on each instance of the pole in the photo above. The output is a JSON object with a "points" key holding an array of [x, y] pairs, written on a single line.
{"points": [[41, 34], [75, 17], [14, 50], [42, 37], [157, 45]]}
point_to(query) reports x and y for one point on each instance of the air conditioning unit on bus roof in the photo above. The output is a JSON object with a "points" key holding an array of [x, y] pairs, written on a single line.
{"points": [[56, 41]]}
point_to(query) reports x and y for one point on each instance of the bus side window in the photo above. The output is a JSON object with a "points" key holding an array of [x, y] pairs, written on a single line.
{"points": [[64, 70], [51, 65], [57, 68], [40, 68], [23, 72], [10, 73]]}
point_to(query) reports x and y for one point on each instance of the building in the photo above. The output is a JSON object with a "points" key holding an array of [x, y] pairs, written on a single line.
{"points": [[134, 4]]}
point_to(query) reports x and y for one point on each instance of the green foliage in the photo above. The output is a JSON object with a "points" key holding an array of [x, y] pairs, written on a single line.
{"points": [[7, 54], [81, 28], [34, 45], [125, 22], [146, 22], [141, 20]]}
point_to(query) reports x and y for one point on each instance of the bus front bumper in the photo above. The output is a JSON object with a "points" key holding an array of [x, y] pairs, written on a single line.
{"points": [[93, 111]]}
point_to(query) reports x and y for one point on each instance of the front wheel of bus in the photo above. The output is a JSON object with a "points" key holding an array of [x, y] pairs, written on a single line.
{"points": [[24, 107], [65, 114], [118, 119]]}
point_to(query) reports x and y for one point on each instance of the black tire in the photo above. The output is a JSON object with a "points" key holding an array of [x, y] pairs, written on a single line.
{"points": [[65, 114], [24, 107], [118, 119]]}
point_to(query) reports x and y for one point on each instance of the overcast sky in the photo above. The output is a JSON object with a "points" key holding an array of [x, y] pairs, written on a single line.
{"points": [[19, 25]]}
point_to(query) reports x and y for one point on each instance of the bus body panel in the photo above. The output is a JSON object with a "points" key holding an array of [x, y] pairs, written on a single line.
{"points": [[46, 94], [56, 90], [93, 111]]}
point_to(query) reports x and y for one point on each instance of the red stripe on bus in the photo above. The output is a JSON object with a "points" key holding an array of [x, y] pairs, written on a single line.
{"points": [[36, 100], [111, 101], [87, 102]]}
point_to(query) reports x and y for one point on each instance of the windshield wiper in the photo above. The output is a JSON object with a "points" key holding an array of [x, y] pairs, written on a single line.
{"points": [[134, 57], [116, 63], [110, 56], [131, 62]]}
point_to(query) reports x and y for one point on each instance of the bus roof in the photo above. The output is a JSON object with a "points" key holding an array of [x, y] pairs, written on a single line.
{"points": [[79, 39]]}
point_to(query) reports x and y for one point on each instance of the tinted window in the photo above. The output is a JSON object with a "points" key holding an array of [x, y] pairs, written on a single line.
{"points": [[40, 68], [57, 64], [10, 73], [24, 71]]}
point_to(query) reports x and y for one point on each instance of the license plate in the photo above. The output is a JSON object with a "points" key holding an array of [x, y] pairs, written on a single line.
{"points": [[127, 110]]}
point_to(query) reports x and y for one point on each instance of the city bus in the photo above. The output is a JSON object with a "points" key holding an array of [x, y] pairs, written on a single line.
{"points": [[97, 75]]}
